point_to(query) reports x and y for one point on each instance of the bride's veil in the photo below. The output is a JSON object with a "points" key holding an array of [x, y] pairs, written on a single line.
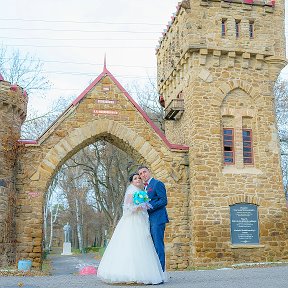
{"points": [[128, 205]]}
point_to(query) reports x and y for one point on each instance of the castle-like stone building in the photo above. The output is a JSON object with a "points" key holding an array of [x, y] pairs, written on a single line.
{"points": [[217, 64]]}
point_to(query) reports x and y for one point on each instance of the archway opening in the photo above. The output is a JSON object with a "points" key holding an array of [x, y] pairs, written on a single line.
{"points": [[86, 193]]}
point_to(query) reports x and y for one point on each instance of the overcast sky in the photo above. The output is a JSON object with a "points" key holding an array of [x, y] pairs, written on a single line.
{"points": [[71, 38]]}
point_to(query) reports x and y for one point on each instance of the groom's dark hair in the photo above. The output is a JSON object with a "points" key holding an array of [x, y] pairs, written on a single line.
{"points": [[142, 167]]}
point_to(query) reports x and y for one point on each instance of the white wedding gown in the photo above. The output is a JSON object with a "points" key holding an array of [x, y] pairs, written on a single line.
{"points": [[130, 255]]}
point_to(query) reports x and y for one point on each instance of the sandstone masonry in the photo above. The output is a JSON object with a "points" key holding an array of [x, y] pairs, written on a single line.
{"points": [[217, 64]]}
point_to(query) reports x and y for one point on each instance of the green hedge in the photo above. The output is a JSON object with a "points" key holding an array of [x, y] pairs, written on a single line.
{"points": [[92, 249]]}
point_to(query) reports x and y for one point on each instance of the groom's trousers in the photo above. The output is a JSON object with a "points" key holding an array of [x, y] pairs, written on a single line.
{"points": [[157, 233]]}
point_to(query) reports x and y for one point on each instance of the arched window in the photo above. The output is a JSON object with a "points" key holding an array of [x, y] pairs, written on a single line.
{"points": [[237, 128]]}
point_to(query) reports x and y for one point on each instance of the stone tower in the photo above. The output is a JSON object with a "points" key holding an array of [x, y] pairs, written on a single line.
{"points": [[217, 65], [13, 105]]}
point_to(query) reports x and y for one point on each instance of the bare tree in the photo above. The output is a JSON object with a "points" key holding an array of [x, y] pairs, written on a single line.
{"points": [[52, 207], [74, 186], [281, 108], [36, 123], [106, 169], [148, 99], [25, 70]]}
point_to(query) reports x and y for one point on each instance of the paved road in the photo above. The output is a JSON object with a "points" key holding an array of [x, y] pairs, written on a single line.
{"points": [[66, 277], [67, 265]]}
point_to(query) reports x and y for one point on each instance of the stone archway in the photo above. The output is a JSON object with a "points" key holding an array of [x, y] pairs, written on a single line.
{"points": [[125, 138], [103, 111]]}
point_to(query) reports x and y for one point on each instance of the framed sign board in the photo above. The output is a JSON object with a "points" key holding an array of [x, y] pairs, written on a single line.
{"points": [[244, 224]]}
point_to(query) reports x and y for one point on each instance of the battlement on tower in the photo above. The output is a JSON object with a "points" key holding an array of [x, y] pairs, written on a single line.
{"points": [[13, 98], [268, 7], [268, 3], [213, 33]]}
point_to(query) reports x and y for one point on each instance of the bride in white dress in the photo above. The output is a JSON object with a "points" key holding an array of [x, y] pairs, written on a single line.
{"points": [[130, 255]]}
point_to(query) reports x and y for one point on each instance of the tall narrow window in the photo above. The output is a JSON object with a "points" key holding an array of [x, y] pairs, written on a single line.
{"points": [[237, 28], [251, 29], [223, 27], [228, 146], [247, 146]]}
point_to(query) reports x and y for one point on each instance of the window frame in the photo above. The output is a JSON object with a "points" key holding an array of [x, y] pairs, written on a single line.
{"points": [[250, 146], [237, 28], [223, 27], [233, 146], [251, 29]]}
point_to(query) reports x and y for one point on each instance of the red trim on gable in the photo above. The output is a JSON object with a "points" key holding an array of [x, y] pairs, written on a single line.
{"points": [[27, 141], [82, 95], [145, 116], [104, 73]]}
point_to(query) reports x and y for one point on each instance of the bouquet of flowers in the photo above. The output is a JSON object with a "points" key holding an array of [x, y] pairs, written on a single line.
{"points": [[141, 199]]}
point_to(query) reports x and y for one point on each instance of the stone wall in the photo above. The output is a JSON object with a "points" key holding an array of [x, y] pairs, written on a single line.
{"points": [[227, 82]]}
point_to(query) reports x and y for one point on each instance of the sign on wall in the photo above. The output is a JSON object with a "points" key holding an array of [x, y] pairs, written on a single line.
{"points": [[107, 112], [244, 224]]}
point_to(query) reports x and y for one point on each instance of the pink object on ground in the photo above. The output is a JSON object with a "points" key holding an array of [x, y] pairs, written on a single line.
{"points": [[88, 270]]}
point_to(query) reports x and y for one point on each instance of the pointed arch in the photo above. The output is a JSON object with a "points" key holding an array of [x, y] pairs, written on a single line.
{"points": [[226, 87]]}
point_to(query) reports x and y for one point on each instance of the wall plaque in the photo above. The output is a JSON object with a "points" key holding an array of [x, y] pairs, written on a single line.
{"points": [[244, 224], [107, 112], [105, 101]]}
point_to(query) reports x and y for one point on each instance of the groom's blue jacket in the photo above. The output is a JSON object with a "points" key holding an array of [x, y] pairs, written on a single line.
{"points": [[157, 193]]}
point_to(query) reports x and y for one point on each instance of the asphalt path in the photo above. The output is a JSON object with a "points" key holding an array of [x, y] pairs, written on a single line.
{"points": [[67, 265], [66, 268]]}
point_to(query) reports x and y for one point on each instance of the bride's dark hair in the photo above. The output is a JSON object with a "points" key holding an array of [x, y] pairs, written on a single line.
{"points": [[131, 176]]}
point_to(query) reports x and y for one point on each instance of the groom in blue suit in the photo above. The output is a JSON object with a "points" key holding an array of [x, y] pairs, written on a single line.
{"points": [[158, 216]]}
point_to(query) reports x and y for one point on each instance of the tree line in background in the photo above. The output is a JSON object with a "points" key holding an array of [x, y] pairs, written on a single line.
{"points": [[88, 189]]}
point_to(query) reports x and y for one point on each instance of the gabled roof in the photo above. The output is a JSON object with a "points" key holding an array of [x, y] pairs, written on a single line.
{"points": [[104, 73]]}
